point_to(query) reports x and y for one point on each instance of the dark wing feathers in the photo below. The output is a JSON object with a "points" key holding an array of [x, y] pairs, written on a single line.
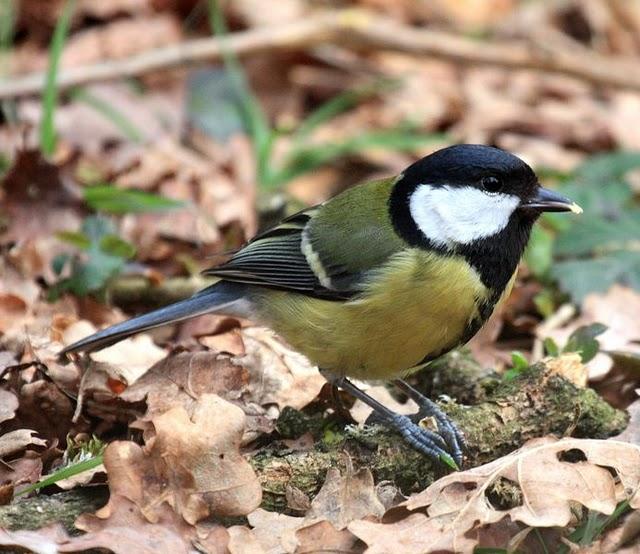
{"points": [[275, 259]]}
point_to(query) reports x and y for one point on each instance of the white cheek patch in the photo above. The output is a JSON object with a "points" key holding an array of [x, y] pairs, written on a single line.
{"points": [[460, 215]]}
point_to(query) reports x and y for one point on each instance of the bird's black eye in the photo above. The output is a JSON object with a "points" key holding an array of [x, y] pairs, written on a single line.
{"points": [[491, 184]]}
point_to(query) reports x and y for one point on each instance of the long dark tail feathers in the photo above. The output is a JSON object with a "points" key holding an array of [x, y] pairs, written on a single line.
{"points": [[223, 297]]}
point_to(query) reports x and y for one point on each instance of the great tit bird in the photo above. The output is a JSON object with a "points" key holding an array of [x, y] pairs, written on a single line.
{"points": [[384, 277]]}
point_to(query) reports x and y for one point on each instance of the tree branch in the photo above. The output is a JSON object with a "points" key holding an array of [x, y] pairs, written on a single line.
{"points": [[358, 29]]}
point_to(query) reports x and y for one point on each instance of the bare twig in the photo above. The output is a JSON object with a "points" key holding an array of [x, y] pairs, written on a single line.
{"points": [[359, 30]]}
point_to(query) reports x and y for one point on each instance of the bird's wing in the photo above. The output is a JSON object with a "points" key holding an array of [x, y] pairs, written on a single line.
{"points": [[317, 251]]}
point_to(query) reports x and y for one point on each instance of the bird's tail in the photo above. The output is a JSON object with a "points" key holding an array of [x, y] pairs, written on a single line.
{"points": [[223, 297]]}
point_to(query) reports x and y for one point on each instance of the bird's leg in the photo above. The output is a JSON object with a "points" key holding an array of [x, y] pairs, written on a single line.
{"points": [[446, 428], [428, 442]]}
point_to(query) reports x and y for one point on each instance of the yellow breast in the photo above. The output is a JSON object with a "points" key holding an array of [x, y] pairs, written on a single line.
{"points": [[419, 304]]}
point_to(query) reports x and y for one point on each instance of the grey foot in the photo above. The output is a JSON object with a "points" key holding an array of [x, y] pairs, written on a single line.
{"points": [[444, 446], [447, 429]]}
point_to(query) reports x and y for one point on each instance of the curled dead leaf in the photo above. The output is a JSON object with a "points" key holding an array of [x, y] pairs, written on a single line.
{"points": [[23, 471], [42, 541], [324, 537], [127, 360], [13, 442], [275, 532], [6, 493], [202, 451], [8, 405], [570, 367], [345, 498], [537, 485], [278, 375], [191, 461], [243, 541], [122, 529]]}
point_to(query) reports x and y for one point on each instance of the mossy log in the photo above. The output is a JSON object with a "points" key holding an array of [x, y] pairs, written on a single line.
{"points": [[504, 415]]}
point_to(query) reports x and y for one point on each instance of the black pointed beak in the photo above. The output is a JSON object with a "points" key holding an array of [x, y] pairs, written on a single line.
{"points": [[547, 200]]}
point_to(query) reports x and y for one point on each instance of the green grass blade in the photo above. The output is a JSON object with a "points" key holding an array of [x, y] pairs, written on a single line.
{"points": [[307, 158], [64, 473], [255, 119], [114, 200], [339, 104], [7, 26], [7, 29], [105, 109], [50, 96]]}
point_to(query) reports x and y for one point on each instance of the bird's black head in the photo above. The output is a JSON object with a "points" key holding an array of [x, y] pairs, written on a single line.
{"points": [[473, 200], [475, 166]]}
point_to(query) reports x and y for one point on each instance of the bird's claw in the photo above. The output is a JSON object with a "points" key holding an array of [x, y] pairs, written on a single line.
{"points": [[446, 429], [434, 445]]}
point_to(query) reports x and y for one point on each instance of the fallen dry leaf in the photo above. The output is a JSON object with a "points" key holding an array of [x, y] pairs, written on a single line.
{"points": [[81, 126], [277, 374], [243, 541], [324, 537], [119, 39], [415, 534], [13, 442], [128, 360], [345, 498], [275, 532], [570, 367], [181, 379], [6, 493], [122, 529], [204, 448], [36, 199], [23, 471], [42, 541], [8, 405], [191, 460], [342, 499], [119, 528], [212, 200], [543, 480], [43, 406]]}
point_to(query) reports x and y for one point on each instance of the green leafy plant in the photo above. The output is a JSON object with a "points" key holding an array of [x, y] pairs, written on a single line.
{"points": [[80, 456], [7, 29], [582, 341], [602, 247], [303, 155], [7, 25], [102, 256], [593, 525], [115, 200], [518, 364], [50, 96]]}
